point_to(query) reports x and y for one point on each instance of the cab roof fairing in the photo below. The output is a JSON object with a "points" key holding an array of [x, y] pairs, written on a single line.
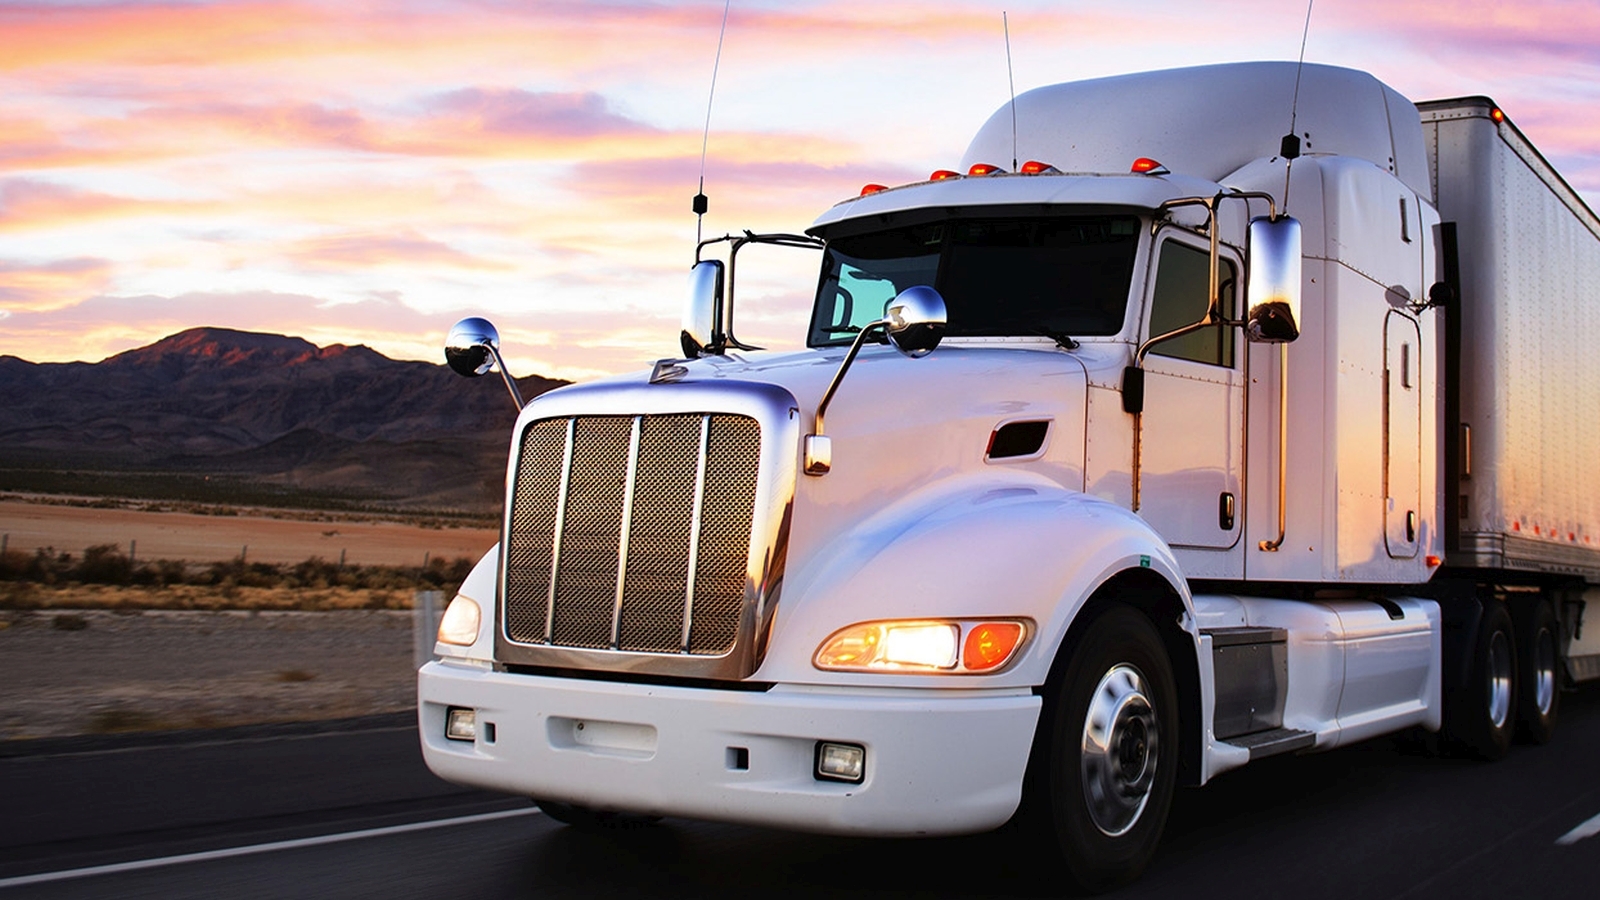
{"points": [[1082, 190], [1208, 121]]}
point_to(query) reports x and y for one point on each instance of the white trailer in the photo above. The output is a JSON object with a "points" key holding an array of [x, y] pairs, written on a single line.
{"points": [[1195, 444]]}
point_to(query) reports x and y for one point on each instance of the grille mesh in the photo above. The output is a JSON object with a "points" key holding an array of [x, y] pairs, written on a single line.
{"points": [[578, 543]]}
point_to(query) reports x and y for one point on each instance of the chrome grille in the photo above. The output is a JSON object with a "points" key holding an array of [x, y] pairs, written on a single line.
{"points": [[632, 532]]}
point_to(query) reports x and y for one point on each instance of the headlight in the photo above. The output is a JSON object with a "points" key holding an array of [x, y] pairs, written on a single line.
{"points": [[934, 647], [460, 623]]}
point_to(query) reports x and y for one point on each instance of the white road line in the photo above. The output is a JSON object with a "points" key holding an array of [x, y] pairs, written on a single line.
{"points": [[1587, 829], [252, 849]]}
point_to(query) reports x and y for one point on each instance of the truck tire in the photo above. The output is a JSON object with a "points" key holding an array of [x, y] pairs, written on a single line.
{"points": [[1538, 674], [1480, 716], [582, 817], [1112, 753]]}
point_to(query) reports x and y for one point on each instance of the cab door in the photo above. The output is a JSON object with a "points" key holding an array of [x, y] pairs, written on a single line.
{"points": [[1191, 443], [1402, 431]]}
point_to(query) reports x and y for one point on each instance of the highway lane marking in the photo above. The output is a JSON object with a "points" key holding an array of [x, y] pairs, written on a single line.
{"points": [[1587, 829], [252, 849]]}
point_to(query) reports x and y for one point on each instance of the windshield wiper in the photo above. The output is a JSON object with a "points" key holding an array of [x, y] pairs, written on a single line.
{"points": [[1062, 339]]}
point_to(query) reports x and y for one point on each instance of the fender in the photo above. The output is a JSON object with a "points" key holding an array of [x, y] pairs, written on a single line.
{"points": [[980, 546]]}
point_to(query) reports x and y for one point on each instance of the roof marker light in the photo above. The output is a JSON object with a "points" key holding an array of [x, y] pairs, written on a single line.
{"points": [[1497, 115], [983, 169], [1034, 167], [942, 174], [1144, 165], [872, 189]]}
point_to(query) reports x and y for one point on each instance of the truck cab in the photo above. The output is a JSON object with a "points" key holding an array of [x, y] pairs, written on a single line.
{"points": [[1102, 472]]}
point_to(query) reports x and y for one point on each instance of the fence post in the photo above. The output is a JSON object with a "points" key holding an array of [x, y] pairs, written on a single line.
{"points": [[427, 608]]}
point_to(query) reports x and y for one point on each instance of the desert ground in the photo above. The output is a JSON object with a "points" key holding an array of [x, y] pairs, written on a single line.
{"points": [[158, 658], [70, 673], [259, 537]]}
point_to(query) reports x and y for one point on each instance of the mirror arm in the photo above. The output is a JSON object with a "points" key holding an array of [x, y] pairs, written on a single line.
{"points": [[511, 383], [722, 330], [838, 376]]}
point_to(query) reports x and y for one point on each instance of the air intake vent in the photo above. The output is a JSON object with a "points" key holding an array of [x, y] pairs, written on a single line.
{"points": [[632, 533], [1016, 439]]}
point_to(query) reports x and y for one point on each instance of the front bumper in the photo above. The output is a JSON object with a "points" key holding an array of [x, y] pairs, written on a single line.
{"points": [[937, 761]]}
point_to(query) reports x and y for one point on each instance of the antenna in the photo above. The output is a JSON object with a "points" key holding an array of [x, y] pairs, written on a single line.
{"points": [[701, 204], [1290, 149], [1012, 78]]}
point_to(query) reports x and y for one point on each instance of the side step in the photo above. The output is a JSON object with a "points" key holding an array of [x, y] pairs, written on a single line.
{"points": [[1272, 742]]}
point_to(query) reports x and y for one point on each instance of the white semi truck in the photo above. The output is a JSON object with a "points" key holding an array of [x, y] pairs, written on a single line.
{"points": [[1229, 444]]}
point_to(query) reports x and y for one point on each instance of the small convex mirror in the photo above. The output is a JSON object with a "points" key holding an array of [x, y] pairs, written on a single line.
{"points": [[469, 348], [701, 313], [1273, 292], [915, 320]]}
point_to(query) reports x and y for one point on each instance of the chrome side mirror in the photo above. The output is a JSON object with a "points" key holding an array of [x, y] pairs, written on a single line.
{"points": [[914, 321], [1273, 292], [473, 348], [702, 314], [468, 347]]}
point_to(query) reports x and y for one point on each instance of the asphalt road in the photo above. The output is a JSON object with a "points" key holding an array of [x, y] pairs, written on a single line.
{"points": [[352, 812]]}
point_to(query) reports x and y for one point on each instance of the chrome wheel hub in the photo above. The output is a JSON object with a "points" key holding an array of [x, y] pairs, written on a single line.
{"points": [[1499, 679], [1544, 671], [1120, 750]]}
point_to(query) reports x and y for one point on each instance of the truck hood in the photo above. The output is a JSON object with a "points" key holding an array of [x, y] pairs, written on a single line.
{"points": [[940, 411]]}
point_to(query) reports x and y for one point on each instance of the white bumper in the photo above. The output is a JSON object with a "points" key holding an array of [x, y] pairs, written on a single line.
{"points": [[937, 762]]}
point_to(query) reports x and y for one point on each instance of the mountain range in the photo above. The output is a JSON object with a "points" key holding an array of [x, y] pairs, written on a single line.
{"points": [[268, 411]]}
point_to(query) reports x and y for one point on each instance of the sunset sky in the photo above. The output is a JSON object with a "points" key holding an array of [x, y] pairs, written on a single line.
{"points": [[368, 172]]}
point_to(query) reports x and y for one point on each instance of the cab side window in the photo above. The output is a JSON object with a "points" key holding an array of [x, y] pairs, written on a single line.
{"points": [[1181, 295]]}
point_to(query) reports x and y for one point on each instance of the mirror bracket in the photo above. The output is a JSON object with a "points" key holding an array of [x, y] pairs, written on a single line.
{"points": [[914, 322]]}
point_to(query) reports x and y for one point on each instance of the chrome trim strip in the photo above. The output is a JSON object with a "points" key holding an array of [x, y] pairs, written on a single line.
{"points": [[695, 519], [561, 521], [631, 479]]}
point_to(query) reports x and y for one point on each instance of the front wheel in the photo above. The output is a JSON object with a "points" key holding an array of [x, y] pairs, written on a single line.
{"points": [[1112, 755]]}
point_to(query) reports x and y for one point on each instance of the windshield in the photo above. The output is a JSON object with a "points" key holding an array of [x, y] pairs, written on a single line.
{"points": [[1059, 276]]}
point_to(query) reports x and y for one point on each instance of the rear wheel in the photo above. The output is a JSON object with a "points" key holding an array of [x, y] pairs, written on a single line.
{"points": [[1480, 716], [593, 819], [1112, 755], [1538, 673]]}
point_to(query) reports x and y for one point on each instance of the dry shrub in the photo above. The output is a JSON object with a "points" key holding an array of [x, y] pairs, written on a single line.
{"points": [[106, 578], [116, 721]]}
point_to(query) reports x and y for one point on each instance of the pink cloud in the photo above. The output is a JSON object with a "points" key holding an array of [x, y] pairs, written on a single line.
{"points": [[28, 204], [364, 251], [48, 285]]}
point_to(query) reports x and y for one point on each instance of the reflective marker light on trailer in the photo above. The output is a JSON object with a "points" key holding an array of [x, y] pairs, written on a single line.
{"points": [[1144, 165], [942, 174], [841, 762], [461, 724], [1497, 115], [983, 169]]}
